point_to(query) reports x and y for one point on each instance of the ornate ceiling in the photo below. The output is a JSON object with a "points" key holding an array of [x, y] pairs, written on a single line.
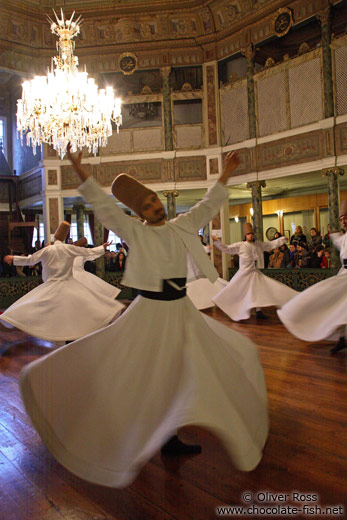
{"points": [[178, 33]]}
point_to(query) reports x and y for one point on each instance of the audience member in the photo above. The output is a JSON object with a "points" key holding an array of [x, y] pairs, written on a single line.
{"points": [[298, 236], [107, 259], [120, 262], [316, 257], [286, 255], [276, 259], [326, 259], [113, 261], [302, 256], [326, 238], [316, 239]]}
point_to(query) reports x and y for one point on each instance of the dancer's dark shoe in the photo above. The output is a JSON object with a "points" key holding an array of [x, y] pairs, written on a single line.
{"points": [[176, 447], [261, 316], [340, 345]]}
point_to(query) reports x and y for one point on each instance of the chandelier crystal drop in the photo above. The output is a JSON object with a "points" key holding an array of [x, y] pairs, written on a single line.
{"points": [[66, 106]]}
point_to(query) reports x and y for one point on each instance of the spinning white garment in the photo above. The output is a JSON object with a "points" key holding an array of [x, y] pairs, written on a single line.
{"points": [[250, 288], [202, 291], [105, 404], [60, 309], [92, 282], [320, 311]]}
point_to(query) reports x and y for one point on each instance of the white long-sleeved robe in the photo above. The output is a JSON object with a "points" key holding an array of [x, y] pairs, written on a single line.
{"points": [[161, 365], [94, 283], [60, 309], [249, 287], [320, 312]]}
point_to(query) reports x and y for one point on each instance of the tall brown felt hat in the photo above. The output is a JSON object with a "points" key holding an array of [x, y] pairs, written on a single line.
{"points": [[81, 242], [343, 208], [62, 231], [247, 228], [130, 192]]}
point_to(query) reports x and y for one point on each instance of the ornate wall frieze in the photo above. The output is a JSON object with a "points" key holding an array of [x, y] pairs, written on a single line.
{"points": [[52, 177], [341, 139], [190, 168], [291, 150], [70, 179], [147, 171], [246, 165], [53, 205]]}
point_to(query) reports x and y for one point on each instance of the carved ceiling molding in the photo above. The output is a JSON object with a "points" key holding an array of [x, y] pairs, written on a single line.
{"points": [[179, 37]]}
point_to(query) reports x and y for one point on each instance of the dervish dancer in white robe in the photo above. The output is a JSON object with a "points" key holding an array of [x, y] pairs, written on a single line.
{"points": [[62, 308], [106, 403], [250, 288], [320, 312], [90, 280]]}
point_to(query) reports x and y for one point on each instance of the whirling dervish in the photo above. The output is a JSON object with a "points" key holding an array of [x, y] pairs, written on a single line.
{"points": [[62, 308], [250, 288], [320, 312]]}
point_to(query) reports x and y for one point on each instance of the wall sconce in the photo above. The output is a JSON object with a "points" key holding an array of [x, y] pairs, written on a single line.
{"points": [[279, 212], [236, 219], [251, 210]]}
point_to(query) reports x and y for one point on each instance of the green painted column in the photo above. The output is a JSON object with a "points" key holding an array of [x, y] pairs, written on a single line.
{"points": [[325, 20], [98, 241], [79, 210], [165, 73], [257, 204], [171, 203], [332, 175], [249, 53]]}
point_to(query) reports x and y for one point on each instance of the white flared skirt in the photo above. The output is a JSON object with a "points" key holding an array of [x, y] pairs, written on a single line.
{"points": [[249, 289], [106, 403], [96, 284], [61, 310], [202, 291], [319, 312]]}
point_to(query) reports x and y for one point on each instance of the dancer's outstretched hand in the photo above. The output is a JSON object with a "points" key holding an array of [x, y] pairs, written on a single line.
{"points": [[231, 162], [76, 163], [8, 259]]}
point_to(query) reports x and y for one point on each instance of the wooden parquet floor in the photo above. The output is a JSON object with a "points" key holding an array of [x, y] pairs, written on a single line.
{"points": [[306, 450]]}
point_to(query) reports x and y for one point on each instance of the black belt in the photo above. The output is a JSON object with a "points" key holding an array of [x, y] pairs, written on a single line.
{"points": [[169, 292]]}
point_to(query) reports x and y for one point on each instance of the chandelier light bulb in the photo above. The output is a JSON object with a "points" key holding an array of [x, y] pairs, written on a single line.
{"points": [[66, 106]]}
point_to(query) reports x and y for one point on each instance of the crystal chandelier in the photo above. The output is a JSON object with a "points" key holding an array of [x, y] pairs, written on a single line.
{"points": [[66, 106]]}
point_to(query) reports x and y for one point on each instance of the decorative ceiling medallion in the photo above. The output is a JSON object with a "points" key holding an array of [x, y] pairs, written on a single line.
{"points": [[282, 21], [127, 62]]}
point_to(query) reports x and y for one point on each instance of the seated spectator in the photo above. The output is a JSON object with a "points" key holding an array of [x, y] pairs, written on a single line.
{"points": [[286, 254], [316, 257], [326, 259], [316, 239], [120, 262], [120, 249], [292, 251], [276, 260], [298, 236], [107, 260], [277, 235], [326, 239], [302, 256], [113, 261]]}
